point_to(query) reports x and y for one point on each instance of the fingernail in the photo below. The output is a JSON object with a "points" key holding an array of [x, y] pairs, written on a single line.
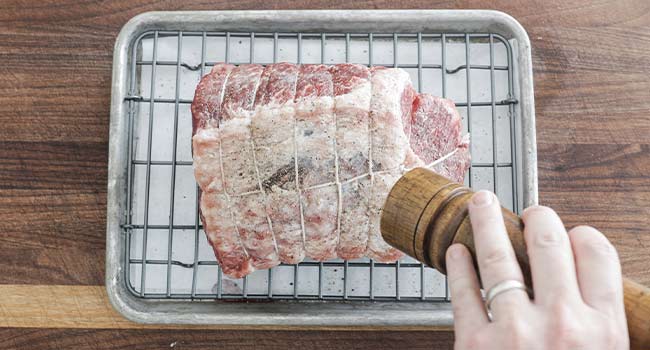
{"points": [[482, 198], [455, 251]]}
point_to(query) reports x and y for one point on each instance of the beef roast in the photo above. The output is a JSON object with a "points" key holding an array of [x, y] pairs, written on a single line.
{"points": [[295, 161]]}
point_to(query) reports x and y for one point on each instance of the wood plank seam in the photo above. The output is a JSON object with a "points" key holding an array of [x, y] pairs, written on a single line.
{"points": [[87, 307]]}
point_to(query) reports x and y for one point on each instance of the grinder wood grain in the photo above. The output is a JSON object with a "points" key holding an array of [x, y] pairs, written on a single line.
{"points": [[425, 213]]}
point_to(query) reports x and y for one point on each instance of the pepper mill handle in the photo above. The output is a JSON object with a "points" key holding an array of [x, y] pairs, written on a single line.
{"points": [[425, 213]]}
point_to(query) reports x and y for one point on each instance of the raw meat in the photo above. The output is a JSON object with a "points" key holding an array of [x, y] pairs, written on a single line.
{"points": [[352, 93], [436, 134], [316, 160], [241, 171], [216, 213], [390, 106], [295, 161], [272, 128]]}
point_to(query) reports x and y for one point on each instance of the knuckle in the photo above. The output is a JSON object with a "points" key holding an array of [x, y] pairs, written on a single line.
{"points": [[559, 296], [567, 330], [462, 289], [486, 222], [474, 341], [544, 239], [520, 334], [608, 294], [460, 282], [497, 256], [613, 338]]}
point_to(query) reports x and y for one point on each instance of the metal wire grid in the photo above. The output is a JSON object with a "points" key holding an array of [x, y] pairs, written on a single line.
{"points": [[134, 99]]}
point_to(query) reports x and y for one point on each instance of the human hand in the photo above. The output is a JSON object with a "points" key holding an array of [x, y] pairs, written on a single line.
{"points": [[578, 294]]}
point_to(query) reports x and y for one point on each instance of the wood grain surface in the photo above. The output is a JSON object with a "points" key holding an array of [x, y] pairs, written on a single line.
{"points": [[88, 307], [592, 91], [115, 339]]}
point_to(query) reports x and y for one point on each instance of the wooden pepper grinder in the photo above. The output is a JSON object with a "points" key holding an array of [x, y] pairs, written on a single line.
{"points": [[425, 213]]}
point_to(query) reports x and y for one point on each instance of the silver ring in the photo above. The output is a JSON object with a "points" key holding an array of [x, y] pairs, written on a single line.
{"points": [[501, 288]]}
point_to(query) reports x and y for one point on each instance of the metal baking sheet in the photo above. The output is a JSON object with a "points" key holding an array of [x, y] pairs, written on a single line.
{"points": [[159, 59]]}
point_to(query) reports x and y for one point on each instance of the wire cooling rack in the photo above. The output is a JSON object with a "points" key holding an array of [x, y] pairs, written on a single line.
{"points": [[167, 254]]}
